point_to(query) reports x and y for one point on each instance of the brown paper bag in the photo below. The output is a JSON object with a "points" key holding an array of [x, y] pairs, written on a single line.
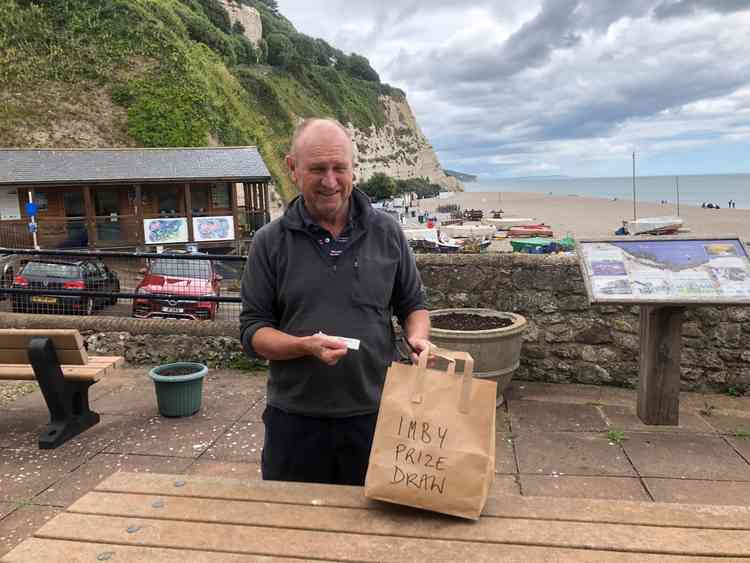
{"points": [[434, 444]]}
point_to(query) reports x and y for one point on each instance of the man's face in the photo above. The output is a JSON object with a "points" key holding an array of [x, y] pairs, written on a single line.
{"points": [[321, 166]]}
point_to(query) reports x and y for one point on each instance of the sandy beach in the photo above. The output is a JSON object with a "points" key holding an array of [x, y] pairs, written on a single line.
{"points": [[590, 217]]}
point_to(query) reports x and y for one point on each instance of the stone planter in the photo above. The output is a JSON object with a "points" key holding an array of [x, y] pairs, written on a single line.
{"points": [[496, 351], [179, 395]]}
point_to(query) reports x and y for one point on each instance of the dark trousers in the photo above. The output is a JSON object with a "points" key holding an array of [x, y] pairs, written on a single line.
{"points": [[316, 450]]}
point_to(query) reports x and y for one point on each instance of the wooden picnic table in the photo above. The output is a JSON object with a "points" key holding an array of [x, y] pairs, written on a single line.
{"points": [[136, 517]]}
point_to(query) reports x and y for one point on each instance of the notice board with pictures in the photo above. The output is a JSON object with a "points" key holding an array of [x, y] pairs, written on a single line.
{"points": [[666, 270]]}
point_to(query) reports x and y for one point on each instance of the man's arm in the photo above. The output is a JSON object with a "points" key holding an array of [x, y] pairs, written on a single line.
{"points": [[417, 329], [273, 344]]}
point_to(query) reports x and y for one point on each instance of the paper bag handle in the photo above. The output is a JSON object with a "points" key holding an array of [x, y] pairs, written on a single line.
{"points": [[464, 403]]}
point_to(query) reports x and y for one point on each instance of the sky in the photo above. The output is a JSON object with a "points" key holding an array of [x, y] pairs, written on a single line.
{"points": [[515, 88]]}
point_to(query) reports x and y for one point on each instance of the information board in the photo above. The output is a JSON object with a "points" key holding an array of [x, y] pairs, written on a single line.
{"points": [[9, 206], [665, 270]]}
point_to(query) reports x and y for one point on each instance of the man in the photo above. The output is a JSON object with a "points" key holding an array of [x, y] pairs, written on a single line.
{"points": [[331, 266]]}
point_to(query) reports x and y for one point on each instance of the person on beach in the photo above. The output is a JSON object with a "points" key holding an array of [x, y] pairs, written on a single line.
{"points": [[331, 266]]}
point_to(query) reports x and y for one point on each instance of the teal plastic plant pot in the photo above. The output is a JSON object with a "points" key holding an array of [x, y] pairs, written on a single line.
{"points": [[179, 395]]}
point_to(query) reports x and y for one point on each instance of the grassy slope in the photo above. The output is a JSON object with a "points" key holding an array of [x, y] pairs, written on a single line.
{"points": [[131, 73]]}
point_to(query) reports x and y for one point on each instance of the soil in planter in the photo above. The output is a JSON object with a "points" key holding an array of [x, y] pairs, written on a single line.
{"points": [[172, 372], [469, 321]]}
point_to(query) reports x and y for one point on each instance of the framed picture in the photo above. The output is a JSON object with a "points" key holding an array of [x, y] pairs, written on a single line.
{"points": [[213, 228], [666, 270], [165, 230]]}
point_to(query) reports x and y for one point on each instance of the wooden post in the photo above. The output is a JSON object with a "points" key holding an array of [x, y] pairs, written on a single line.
{"points": [[659, 378], [267, 203], [189, 211], [235, 213], [90, 216], [139, 235]]}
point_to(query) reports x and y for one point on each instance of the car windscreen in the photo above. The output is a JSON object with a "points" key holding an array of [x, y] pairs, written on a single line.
{"points": [[181, 268], [52, 270]]}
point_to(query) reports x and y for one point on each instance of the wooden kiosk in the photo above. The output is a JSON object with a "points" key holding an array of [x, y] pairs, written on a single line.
{"points": [[664, 276]]}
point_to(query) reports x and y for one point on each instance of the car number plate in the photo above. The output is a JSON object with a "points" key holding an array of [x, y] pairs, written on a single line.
{"points": [[172, 309], [43, 299]]}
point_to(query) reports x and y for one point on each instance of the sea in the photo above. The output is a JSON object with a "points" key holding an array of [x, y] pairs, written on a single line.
{"points": [[690, 190]]}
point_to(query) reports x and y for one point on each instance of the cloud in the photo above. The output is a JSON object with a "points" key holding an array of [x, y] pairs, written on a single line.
{"points": [[555, 84], [682, 8]]}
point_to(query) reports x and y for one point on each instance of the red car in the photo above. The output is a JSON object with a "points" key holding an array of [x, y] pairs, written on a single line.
{"points": [[189, 279]]}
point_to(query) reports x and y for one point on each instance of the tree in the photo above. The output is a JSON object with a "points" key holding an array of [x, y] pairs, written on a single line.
{"points": [[358, 67], [379, 186], [280, 50]]}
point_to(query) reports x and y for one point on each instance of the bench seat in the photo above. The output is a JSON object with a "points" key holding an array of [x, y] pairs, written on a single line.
{"points": [[58, 361]]}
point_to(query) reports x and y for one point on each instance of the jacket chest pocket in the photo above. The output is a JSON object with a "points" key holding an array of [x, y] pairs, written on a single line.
{"points": [[373, 281]]}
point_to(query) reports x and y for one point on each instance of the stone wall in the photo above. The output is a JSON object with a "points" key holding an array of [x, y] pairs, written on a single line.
{"points": [[570, 341], [566, 341]]}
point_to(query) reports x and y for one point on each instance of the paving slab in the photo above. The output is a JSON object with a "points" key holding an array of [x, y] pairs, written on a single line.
{"points": [[728, 423], [21, 428], [570, 453], [721, 403], [626, 418], [741, 444], [26, 472], [568, 393], [234, 470], [242, 442], [178, 437], [83, 479], [573, 486], [505, 458], [685, 456], [505, 485], [6, 508], [693, 491], [20, 524], [255, 412], [132, 396], [539, 416], [228, 395]]}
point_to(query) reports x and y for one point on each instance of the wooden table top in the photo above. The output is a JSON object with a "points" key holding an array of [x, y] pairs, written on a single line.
{"points": [[137, 517]]}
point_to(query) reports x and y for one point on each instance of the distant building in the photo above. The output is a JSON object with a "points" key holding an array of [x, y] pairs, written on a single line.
{"points": [[133, 198]]}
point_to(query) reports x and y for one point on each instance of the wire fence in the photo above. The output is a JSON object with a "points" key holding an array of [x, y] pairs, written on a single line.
{"points": [[170, 285]]}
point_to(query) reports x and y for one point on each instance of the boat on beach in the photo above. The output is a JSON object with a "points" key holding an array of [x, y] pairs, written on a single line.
{"points": [[536, 230], [506, 223], [655, 225]]}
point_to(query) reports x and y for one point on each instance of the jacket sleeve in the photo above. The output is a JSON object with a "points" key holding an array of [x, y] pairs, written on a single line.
{"points": [[408, 291], [258, 292]]}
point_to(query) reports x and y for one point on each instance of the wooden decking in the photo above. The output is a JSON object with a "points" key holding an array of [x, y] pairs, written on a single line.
{"points": [[133, 517]]}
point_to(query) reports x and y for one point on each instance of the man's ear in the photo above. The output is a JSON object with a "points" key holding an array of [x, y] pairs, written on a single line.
{"points": [[291, 164]]}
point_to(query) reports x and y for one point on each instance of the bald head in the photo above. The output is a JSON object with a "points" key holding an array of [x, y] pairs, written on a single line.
{"points": [[320, 163], [316, 130]]}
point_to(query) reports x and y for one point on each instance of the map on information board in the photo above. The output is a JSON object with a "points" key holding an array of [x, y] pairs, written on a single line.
{"points": [[666, 270]]}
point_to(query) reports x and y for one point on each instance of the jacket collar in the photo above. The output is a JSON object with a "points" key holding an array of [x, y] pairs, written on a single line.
{"points": [[361, 211]]}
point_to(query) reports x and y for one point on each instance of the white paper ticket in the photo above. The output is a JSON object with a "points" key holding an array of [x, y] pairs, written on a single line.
{"points": [[351, 343]]}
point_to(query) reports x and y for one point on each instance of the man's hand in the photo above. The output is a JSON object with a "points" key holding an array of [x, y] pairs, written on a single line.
{"points": [[327, 349], [417, 345]]}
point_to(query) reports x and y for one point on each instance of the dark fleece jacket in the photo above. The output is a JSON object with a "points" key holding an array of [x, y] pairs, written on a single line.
{"points": [[292, 285]]}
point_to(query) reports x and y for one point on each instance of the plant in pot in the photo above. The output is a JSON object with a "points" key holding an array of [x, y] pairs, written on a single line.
{"points": [[179, 388], [493, 338]]}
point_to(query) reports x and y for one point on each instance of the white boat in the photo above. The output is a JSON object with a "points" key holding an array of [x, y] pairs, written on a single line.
{"points": [[654, 225], [467, 230], [507, 222]]}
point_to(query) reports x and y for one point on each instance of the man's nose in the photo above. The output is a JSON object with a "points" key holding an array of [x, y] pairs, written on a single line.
{"points": [[329, 179]]}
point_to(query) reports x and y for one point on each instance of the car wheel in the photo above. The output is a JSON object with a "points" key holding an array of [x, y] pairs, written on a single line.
{"points": [[7, 281], [113, 300], [88, 307]]}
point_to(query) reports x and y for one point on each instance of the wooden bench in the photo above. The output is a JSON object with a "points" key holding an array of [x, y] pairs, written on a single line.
{"points": [[58, 361]]}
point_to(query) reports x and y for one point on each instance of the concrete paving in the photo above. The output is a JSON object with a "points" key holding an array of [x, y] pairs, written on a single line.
{"points": [[576, 441]]}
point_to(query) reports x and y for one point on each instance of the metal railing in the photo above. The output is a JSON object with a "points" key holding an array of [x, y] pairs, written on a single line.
{"points": [[143, 285]]}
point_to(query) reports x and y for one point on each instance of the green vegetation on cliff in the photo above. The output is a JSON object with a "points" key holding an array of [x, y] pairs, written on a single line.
{"points": [[159, 73]]}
